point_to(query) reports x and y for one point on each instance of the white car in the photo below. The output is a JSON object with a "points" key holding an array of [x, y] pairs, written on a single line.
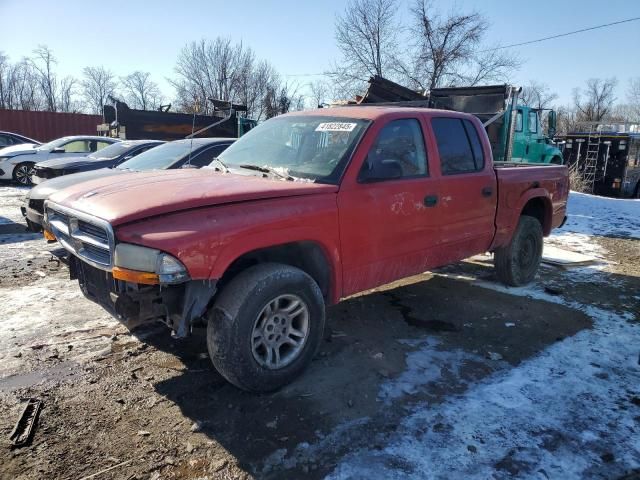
{"points": [[16, 162]]}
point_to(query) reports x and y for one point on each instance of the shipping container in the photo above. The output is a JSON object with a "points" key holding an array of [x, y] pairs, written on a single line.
{"points": [[46, 126]]}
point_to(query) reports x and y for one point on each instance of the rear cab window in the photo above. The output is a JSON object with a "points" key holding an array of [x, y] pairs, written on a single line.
{"points": [[459, 145]]}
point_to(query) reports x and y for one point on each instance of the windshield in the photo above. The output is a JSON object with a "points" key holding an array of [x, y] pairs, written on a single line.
{"points": [[111, 152], [161, 157], [52, 144], [311, 147]]}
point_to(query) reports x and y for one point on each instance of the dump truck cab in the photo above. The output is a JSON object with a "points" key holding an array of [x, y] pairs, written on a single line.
{"points": [[531, 143], [515, 131]]}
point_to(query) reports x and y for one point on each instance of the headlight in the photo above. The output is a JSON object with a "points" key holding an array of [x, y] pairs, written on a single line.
{"points": [[137, 264], [2, 159]]}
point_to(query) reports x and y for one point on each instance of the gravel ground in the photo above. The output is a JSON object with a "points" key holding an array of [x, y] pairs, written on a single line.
{"points": [[442, 375]]}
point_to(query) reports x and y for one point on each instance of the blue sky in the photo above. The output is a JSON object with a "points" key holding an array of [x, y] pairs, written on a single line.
{"points": [[297, 36]]}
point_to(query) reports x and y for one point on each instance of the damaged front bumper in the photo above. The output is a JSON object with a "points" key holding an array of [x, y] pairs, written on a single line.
{"points": [[178, 306]]}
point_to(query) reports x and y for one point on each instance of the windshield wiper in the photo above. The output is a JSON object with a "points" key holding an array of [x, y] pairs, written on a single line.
{"points": [[270, 170]]}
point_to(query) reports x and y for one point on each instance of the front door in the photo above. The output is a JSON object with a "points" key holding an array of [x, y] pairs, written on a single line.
{"points": [[520, 139], [389, 215], [468, 189]]}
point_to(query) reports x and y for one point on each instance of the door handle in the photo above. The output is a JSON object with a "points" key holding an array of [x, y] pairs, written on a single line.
{"points": [[430, 200], [487, 191]]}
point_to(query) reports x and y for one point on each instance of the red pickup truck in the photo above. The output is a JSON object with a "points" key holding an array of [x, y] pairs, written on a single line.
{"points": [[304, 210]]}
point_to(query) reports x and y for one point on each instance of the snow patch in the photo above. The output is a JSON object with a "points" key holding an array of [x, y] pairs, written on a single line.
{"points": [[592, 215], [555, 415]]}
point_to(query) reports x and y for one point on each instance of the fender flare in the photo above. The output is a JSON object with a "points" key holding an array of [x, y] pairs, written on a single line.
{"points": [[247, 244]]}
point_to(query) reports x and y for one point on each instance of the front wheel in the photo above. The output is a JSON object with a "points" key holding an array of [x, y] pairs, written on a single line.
{"points": [[517, 263], [23, 173], [266, 326]]}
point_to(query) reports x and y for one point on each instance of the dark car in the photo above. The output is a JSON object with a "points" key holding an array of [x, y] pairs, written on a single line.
{"points": [[8, 139], [108, 157], [194, 153]]}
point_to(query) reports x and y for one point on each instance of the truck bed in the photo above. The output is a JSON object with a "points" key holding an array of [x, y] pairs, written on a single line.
{"points": [[520, 182]]}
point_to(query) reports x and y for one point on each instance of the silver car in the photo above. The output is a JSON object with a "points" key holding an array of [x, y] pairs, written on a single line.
{"points": [[17, 164]]}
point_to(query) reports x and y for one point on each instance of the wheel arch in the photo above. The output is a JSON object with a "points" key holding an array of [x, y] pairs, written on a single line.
{"points": [[539, 207], [309, 256]]}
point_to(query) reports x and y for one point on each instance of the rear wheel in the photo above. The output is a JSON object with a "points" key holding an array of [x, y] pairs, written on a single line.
{"points": [[23, 173], [517, 263], [266, 326]]}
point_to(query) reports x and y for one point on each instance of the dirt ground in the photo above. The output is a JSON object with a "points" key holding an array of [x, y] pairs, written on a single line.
{"points": [[147, 406]]}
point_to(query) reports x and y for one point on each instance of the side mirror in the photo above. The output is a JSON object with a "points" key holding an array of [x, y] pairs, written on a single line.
{"points": [[58, 150], [552, 121]]}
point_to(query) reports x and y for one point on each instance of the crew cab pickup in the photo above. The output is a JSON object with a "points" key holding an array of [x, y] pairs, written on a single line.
{"points": [[304, 210]]}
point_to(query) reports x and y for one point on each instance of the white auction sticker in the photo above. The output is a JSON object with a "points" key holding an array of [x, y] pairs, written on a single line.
{"points": [[336, 127]]}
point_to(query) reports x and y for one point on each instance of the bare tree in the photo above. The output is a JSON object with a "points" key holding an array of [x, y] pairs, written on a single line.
{"points": [[633, 98], [366, 35], [567, 119], [318, 93], [44, 63], [6, 82], [98, 83], [19, 85], [141, 92], [448, 50], [67, 95], [222, 70], [282, 99], [537, 95], [596, 101]]}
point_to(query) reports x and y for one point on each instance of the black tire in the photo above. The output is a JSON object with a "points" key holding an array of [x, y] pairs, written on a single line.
{"points": [[23, 172], [517, 263], [231, 322]]}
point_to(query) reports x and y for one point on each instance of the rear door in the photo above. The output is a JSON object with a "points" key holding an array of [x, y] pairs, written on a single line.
{"points": [[389, 210], [467, 188]]}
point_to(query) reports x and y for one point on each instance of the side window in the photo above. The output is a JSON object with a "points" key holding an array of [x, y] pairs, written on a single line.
{"points": [[398, 152], [77, 146], [533, 122], [206, 157], [459, 146], [519, 121], [476, 144], [137, 152], [5, 140], [101, 145]]}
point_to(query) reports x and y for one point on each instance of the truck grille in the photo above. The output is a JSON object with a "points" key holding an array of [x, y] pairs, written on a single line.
{"points": [[87, 237]]}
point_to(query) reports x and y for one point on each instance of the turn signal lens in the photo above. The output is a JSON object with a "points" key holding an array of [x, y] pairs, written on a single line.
{"points": [[134, 276], [50, 237]]}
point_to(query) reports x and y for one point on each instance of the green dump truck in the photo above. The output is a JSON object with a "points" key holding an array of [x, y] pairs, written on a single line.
{"points": [[515, 131]]}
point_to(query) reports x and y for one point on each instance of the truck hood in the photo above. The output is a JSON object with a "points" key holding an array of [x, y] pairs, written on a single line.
{"points": [[136, 195]]}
